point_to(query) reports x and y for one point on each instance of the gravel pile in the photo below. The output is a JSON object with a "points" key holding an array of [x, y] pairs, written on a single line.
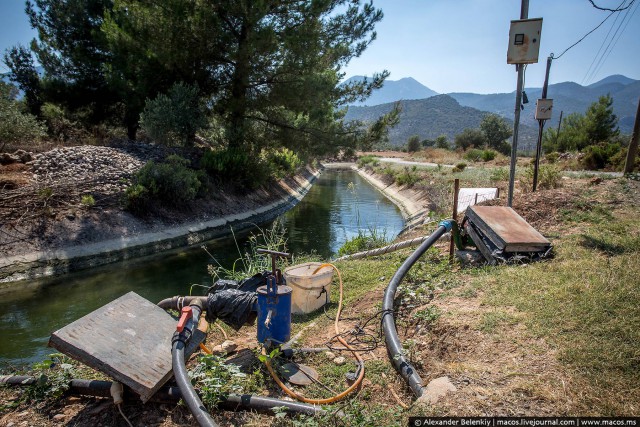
{"points": [[110, 167]]}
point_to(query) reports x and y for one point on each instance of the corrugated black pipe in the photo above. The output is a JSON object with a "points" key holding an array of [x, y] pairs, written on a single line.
{"points": [[233, 402], [394, 346]]}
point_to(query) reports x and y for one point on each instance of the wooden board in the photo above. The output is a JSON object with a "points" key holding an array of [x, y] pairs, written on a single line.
{"points": [[128, 339], [480, 244], [506, 229]]}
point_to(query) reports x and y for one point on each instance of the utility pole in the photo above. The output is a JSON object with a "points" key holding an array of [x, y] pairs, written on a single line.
{"points": [[524, 14], [633, 145], [559, 123], [536, 164]]}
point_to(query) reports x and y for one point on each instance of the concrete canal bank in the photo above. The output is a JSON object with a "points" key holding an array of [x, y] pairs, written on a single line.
{"points": [[37, 264]]}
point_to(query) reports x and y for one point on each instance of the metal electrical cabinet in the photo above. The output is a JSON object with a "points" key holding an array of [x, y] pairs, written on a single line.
{"points": [[543, 109], [524, 41]]}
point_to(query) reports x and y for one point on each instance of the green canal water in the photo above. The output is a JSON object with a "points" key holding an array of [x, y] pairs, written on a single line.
{"points": [[337, 206]]}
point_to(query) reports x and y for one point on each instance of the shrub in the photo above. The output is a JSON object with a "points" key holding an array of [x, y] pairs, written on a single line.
{"points": [[552, 157], [407, 177], [600, 156], [88, 200], [17, 127], [364, 241], [60, 127], [171, 182], [235, 166], [499, 174], [413, 144], [389, 172], [281, 163], [137, 198], [442, 142], [368, 160], [549, 176], [470, 138], [459, 167], [473, 154], [488, 155], [173, 119]]}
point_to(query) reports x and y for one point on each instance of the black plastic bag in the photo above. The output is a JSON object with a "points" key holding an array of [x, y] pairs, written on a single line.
{"points": [[250, 284], [234, 307]]}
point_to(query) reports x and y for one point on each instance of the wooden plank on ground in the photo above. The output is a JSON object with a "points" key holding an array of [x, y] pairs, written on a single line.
{"points": [[506, 229], [480, 244], [128, 339]]}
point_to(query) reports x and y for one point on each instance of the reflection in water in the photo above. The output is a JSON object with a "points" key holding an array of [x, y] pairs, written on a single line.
{"points": [[330, 213]]}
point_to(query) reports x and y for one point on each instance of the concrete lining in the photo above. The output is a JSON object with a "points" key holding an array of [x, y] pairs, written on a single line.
{"points": [[75, 258]]}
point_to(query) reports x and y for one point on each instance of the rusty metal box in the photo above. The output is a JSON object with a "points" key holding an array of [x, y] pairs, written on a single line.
{"points": [[524, 41]]}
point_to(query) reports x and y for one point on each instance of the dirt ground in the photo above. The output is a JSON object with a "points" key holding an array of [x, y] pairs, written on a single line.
{"points": [[43, 217], [499, 369]]}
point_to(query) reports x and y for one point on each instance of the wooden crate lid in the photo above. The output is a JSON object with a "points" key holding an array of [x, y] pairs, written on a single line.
{"points": [[506, 229], [128, 339]]}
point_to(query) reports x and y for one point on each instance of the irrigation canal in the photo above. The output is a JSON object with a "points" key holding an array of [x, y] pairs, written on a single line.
{"points": [[338, 205]]}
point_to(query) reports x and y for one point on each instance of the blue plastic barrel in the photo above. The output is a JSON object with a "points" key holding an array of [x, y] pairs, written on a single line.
{"points": [[274, 314]]}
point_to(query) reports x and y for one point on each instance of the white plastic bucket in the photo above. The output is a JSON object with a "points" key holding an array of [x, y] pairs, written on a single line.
{"points": [[310, 291]]}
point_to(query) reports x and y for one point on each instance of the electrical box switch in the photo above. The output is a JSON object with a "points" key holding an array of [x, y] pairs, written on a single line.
{"points": [[543, 109], [524, 41]]}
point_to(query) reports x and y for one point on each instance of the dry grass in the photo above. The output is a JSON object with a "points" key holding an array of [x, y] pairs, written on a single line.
{"points": [[554, 338]]}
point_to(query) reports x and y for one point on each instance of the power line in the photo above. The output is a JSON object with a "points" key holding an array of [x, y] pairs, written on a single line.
{"points": [[606, 55], [600, 49], [618, 9], [585, 36]]}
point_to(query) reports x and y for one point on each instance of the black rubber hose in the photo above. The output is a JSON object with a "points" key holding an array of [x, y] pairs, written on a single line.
{"points": [[189, 394], [233, 402], [177, 302], [394, 346]]}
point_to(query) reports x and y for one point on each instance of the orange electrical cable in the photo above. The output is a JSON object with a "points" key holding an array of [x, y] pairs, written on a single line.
{"points": [[357, 356], [205, 349]]}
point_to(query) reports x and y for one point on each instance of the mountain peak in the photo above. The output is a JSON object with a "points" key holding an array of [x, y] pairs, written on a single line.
{"points": [[615, 78], [395, 90]]}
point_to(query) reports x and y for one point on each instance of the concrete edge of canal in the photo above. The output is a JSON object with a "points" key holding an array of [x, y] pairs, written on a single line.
{"points": [[406, 199], [76, 258]]}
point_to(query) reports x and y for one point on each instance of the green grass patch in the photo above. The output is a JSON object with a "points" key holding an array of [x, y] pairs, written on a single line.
{"points": [[584, 210], [492, 321], [584, 302]]}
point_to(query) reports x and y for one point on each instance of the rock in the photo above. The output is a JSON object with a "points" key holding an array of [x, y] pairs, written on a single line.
{"points": [[329, 355], [7, 159], [24, 156], [228, 346], [435, 390], [470, 257], [59, 417], [339, 360], [101, 407]]}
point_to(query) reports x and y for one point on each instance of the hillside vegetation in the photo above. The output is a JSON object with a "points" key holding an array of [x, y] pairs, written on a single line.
{"points": [[432, 117]]}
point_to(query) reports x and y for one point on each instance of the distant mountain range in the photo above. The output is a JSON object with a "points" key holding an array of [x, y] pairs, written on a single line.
{"points": [[431, 117], [395, 90], [568, 97]]}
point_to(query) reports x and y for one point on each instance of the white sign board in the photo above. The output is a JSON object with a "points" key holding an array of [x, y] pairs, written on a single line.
{"points": [[524, 41], [543, 109], [472, 196]]}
